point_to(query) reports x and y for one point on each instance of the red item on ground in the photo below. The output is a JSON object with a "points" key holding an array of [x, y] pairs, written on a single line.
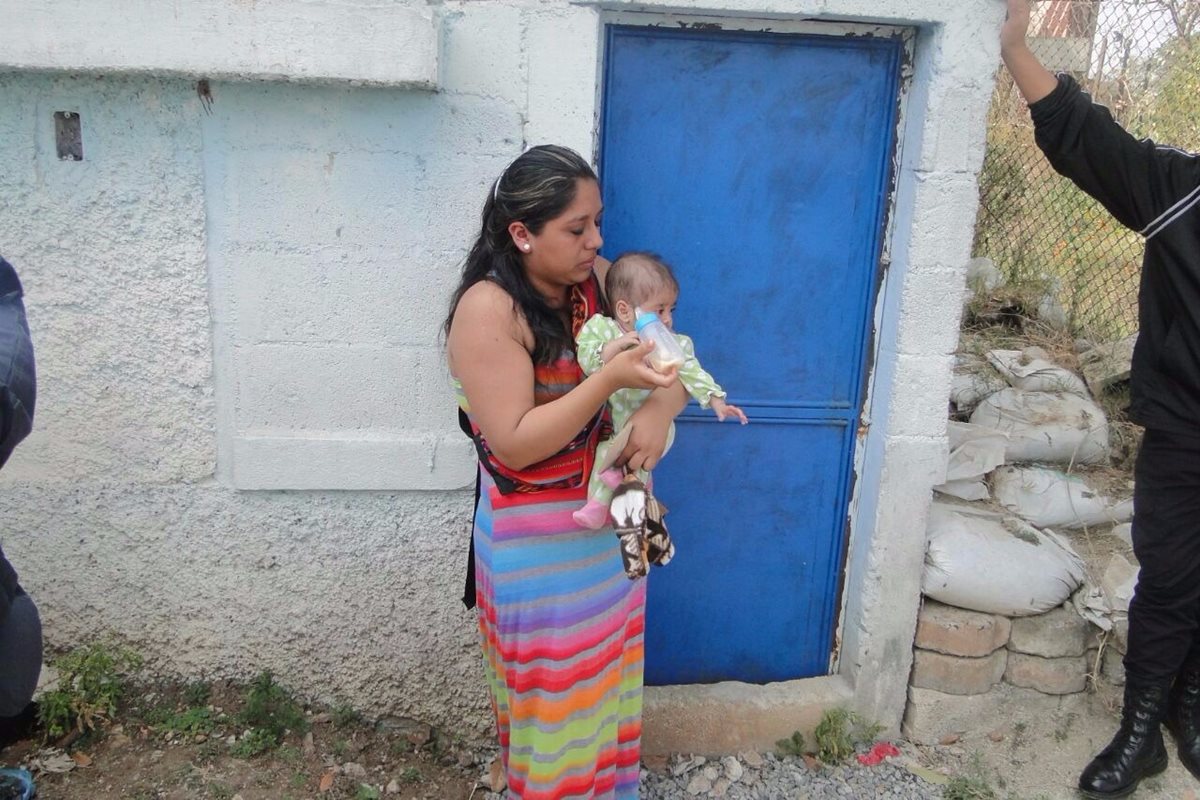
{"points": [[878, 753]]}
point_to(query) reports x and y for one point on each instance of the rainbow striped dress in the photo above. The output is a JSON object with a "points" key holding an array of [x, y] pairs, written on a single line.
{"points": [[560, 623]]}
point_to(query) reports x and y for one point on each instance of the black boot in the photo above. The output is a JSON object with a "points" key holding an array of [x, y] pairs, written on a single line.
{"points": [[1183, 715], [1137, 751]]}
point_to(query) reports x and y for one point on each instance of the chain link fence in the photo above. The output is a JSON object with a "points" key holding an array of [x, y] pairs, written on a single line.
{"points": [[1141, 59]]}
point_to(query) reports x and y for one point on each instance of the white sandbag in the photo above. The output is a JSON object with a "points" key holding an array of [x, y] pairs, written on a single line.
{"points": [[974, 450], [1120, 578], [969, 489], [995, 563], [1048, 498], [1028, 370], [1050, 427], [973, 380]]}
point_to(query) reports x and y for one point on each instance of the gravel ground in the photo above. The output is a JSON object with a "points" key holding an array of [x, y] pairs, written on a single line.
{"points": [[752, 776], [766, 776]]}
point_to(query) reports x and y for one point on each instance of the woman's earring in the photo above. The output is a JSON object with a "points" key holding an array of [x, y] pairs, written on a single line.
{"points": [[525, 247]]}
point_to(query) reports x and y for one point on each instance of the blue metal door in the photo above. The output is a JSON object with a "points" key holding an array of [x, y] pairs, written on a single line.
{"points": [[758, 166]]}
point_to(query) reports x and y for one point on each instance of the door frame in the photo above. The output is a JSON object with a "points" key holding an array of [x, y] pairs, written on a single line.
{"points": [[872, 343]]}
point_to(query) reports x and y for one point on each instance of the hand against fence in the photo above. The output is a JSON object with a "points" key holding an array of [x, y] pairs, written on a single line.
{"points": [[1016, 25]]}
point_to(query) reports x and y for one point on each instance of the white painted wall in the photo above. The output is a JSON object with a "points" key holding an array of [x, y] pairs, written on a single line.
{"points": [[245, 454]]}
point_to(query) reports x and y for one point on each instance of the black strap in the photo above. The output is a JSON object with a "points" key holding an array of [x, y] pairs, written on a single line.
{"points": [[469, 589]]}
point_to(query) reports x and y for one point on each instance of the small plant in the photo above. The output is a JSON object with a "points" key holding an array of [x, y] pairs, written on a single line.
{"points": [[289, 755], [410, 775], [270, 712], [792, 746], [839, 731], [91, 680], [971, 786], [254, 743], [366, 792], [340, 747], [344, 715], [197, 694], [218, 791], [190, 722]]}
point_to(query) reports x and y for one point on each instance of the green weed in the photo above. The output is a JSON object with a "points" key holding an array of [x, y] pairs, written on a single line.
{"points": [[793, 746], [91, 680], [839, 731], [254, 743], [270, 713]]}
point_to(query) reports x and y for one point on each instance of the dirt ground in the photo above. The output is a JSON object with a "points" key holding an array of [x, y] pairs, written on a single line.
{"points": [[150, 752], [144, 755]]}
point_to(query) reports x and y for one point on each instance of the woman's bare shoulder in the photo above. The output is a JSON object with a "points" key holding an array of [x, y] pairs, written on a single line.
{"points": [[483, 310]]}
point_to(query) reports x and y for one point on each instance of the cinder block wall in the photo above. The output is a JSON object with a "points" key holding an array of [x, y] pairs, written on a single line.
{"points": [[245, 454]]}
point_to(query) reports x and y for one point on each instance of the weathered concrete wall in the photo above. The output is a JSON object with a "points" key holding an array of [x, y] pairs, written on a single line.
{"points": [[390, 44], [245, 297], [324, 312]]}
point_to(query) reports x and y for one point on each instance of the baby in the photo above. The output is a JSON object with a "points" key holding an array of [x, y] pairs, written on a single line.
{"points": [[636, 280]]}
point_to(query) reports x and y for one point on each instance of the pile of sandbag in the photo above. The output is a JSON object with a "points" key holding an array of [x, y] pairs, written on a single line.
{"points": [[1021, 409], [1021, 429]]}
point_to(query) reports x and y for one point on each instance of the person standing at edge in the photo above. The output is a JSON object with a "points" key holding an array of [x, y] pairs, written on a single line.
{"points": [[560, 624], [1154, 190], [20, 625]]}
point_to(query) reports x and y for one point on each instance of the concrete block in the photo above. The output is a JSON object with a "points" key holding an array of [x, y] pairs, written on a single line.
{"points": [[558, 110], [730, 717], [361, 389], [930, 311], [479, 56], [1058, 633], [316, 198], [381, 43], [943, 218], [955, 129], [321, 296], [1112, 666], [959, 632], [930, 714], [957, 675], [919, 394], [406, 462], [1047, 675]]}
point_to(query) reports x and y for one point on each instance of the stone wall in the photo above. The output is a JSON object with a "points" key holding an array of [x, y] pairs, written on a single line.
{"points": [[970, 667]]}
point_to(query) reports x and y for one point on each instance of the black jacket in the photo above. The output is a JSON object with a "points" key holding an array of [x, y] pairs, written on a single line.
{"points": [[1155, 191], [17, 395], [9, 588]]}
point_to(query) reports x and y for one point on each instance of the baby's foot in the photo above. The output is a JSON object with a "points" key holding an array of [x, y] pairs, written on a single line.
{"points": [[593, 515], [611, 477]]}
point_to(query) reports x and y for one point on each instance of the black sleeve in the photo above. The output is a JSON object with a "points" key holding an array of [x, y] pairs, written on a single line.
{"points": [[1137, 181], [8, 585], [18, 378]]}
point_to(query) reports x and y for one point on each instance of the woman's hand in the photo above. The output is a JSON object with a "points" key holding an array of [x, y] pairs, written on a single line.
{"points": [[1016, 25], [649, 427], [629, 369]]}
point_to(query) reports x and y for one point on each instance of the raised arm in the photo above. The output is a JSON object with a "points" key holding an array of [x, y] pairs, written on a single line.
{"points": [[1033, 80], [489, 354]]}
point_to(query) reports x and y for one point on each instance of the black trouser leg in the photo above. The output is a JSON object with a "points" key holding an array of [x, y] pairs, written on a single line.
{"points": [[1164, 616]]}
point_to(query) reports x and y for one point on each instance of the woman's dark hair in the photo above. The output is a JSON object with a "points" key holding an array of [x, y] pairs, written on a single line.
{"points": [[535, 189]]}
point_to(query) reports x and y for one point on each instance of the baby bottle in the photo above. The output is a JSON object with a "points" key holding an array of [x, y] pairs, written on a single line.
{"points": [[666, 353]]}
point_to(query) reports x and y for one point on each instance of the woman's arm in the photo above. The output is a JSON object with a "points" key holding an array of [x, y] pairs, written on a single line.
{"points": [[648, 427], [489, 354]]}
